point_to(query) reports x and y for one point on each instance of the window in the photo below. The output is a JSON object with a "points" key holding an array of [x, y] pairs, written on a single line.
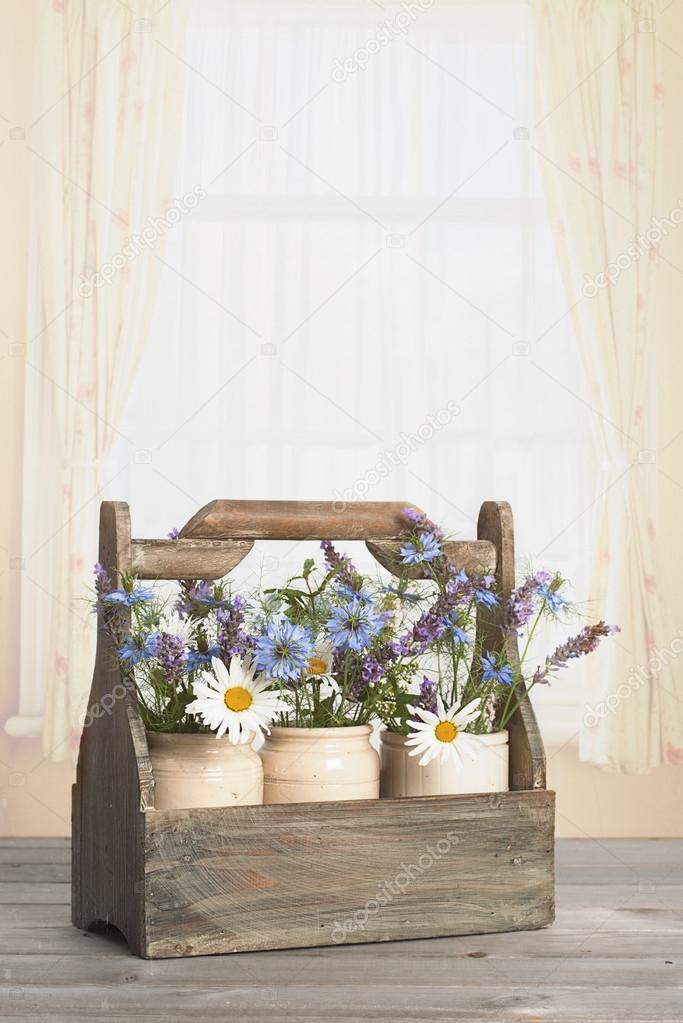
{"points": [[366, 303]]}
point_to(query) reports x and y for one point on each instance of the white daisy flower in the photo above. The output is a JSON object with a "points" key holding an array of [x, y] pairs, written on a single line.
{"points": [[319, 668], [234, 701], [443, 734], [180, 627]]}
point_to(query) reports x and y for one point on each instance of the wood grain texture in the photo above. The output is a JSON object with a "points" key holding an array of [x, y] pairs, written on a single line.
{"points": [[187, 559], [614, 954], [298, 520], [113, 776], [527, 756], [473, 556], [289, 876]]}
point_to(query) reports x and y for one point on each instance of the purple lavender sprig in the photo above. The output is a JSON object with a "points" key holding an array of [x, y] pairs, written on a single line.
{"points": [[346, 572], [421, 523], [198, 598], [521, 603], [577, 646], [438, 619], [171, 655], [427, 696], [520, 606], [103, 583], [231, 638]]}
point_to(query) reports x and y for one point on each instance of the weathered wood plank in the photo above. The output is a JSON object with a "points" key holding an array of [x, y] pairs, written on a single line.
{"points": [[43, 872], [553, 943], [291, 971], [187, 559], [30, 914], [473, 556], [41, 844], [527, 756], [620, 861], [532, 998], [114, 775], [36, 854], [293, 876], [298, 520], [15, 892], [61, 940], [588, 940]]}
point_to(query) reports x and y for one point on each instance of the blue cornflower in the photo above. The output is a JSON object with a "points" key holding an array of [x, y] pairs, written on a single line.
{"points": [[456, 631], [139, 648], [486, 598], [364, 594], [425, 547], [121, 597], [492, 673], [283, 649], [200, 658], [553, 599], [353, 625]]}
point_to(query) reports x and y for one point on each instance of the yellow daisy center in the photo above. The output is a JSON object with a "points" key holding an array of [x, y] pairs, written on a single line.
{"points": [[446, 731], [238, 698], [316, 666]]}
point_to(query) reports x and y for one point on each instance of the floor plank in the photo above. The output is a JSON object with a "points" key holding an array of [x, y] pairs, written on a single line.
{"points": [[593, 939], [346, 1002], [35, 854], [615, 953], [41, 872]]}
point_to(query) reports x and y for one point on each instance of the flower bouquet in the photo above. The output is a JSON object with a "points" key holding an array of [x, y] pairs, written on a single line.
{"points": [[456, 719], [308, 668], [200, 699]]}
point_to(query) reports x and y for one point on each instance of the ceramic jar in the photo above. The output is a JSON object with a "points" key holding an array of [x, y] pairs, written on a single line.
{"points": [[403, 776], [318, 765], [192, 770]]}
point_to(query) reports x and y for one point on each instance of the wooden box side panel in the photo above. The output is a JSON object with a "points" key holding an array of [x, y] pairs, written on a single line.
{"points": [[266, 877], [527, 755], [113, 778]]}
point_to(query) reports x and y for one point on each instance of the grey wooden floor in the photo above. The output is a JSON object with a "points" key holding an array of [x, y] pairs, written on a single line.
{"points": [[615, 953]]}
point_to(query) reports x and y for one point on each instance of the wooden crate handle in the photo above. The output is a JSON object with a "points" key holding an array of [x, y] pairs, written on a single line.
{"points": [[297, 520]]}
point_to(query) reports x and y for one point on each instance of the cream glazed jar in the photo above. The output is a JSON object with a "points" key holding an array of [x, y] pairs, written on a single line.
{"points": [[193, 770], [402, 775], [318, 765]]}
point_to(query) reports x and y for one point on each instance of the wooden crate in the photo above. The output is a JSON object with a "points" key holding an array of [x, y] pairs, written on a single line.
{"points": [[194, 882]]}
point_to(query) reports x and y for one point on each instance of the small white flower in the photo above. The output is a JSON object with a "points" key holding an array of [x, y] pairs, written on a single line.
{"points": [[443, 734], [234, 701], [182, 628], [319, 668]]}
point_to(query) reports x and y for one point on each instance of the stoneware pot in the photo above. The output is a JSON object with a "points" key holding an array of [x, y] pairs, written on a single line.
{"points": [[318, 765], [403, 776], [200, 770]]}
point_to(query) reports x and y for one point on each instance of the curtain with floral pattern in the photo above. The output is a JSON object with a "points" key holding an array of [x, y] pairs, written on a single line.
{"points": [[597, 137], [104, 152]]}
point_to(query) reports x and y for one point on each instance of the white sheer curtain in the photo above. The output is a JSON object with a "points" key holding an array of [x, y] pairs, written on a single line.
{"points": [[109, 95], [367, 304]]}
